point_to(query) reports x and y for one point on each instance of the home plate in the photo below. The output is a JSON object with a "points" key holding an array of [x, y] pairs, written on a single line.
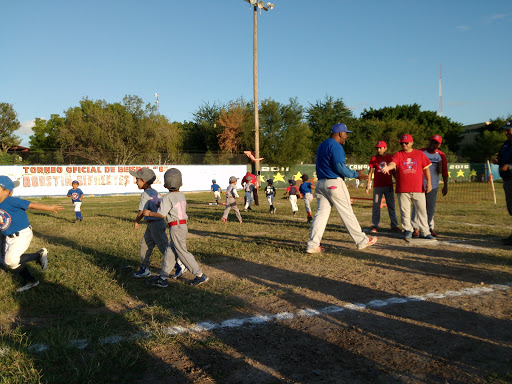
{"points": [[419, 241]]}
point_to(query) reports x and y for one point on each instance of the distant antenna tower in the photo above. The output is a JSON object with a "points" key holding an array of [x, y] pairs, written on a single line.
{"points": [[440, 112], [157, 103]]}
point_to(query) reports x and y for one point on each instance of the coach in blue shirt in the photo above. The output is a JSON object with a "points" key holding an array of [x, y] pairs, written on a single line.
{"points": [[504, 161], [331, 190]]}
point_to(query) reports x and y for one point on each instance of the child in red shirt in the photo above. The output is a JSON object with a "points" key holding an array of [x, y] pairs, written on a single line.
{"points": [[382, 186]]}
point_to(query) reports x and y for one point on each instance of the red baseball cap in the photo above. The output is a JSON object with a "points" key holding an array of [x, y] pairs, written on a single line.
{"points": [[437, 138], [381, 144], [406, 138]]}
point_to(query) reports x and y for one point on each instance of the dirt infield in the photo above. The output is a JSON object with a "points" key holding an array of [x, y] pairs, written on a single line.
{"points": [[445, 337]]}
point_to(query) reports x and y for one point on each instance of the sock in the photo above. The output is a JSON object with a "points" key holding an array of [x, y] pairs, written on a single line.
{"points": [[25, 274]]}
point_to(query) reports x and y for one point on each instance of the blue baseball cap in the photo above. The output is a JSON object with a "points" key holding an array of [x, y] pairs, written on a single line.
{"points": [[7, 183], [340, 127]]}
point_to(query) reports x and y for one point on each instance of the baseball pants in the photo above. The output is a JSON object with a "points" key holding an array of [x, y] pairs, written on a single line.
{"points": [[155, 235], [418, 200], [293, 202], [430, 202], [329, 193], [308, 198], [231, 203], [389, 195], [248, 199], [177, 251], [216, 195], [507, 187]]}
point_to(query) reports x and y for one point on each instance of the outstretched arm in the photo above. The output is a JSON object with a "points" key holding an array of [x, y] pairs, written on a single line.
{"points": [[45, 207]]}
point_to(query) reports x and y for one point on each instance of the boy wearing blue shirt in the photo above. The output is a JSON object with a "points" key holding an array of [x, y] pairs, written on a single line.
{"points": [[217, 190], [17, 233], [76, 195], [307, 194]]}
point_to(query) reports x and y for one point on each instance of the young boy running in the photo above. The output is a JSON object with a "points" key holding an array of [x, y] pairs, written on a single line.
{"points": [[17, 233]]}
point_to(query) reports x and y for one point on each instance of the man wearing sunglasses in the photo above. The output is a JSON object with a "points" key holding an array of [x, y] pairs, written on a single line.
{"points": [[411, 165]]}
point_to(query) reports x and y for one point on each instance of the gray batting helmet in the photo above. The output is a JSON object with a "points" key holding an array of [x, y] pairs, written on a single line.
{"points": [[172, 179]]}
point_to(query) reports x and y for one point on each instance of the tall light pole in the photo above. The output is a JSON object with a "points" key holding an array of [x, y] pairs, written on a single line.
{"points": [[257, 5]]}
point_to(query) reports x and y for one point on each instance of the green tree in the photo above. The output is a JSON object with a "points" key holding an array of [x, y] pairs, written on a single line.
{"points": [[202, 135], [116, 133], [323, 115], [285, 137], [45, 146], [8, 125], [487, 143], [360, 145], [432, 123]]}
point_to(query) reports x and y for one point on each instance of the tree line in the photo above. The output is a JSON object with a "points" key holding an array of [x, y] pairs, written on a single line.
{"points": [[131, 131]]}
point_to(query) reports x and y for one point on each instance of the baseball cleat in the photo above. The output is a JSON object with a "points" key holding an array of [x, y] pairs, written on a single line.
{"points": [[371, 240], [142, 272], [43, 258], [318, 249], [27, 286]]}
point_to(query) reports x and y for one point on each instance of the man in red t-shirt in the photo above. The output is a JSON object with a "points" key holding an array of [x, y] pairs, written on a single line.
{"points": [[411, 165], [382, 186]]}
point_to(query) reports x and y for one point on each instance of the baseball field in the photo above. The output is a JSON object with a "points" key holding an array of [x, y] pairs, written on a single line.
{"points": [[393, 313]]}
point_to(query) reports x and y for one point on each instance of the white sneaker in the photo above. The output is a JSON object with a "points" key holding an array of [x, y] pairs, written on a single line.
{"points": [[27, 286], [43, 259]]}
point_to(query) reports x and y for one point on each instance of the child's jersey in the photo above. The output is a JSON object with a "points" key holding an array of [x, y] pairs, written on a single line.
{"points": [[13, 215], [76, 195], [150, 199], [292, 190], [215, 187], [174, 207], [270, 190], [231, 191], [305, 187], [381, 179], [249, 187]]}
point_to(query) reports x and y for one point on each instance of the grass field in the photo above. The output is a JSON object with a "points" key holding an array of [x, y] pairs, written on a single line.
{"points": [[90, 321]]}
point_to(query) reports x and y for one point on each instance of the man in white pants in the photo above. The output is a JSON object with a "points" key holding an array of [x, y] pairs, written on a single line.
{"points": [[411, 164], [331, 190]]}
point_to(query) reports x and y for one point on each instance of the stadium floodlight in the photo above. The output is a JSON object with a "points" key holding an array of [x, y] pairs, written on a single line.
{"points": [[257, 5]]}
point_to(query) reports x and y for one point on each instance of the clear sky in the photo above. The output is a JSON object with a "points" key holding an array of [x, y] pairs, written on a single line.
{"points": [[370, 53]]}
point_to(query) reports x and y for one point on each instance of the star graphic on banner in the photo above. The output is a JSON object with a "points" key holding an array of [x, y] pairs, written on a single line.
{"points": [[473, 173], [460, 173], [297, 176], [262, 178], [278, 177], [449, 174]]}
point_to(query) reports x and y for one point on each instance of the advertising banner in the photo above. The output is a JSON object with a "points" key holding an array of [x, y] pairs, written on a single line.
{"points": [[55, 180]]}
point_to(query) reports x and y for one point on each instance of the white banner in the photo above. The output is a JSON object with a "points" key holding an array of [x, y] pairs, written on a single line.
{"points": [[55, 180]]}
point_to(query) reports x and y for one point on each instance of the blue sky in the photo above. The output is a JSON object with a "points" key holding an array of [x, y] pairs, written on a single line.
{"points": [[370, 53]]}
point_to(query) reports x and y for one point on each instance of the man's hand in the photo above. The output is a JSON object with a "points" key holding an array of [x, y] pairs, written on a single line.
{"points": [[504, 168], [136, 225], [361, 175], [445, 189], [429, 187], [368, 189]]}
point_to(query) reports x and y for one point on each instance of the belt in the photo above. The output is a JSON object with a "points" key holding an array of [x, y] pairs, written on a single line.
{"points": [[16, 234], [173, 223]]}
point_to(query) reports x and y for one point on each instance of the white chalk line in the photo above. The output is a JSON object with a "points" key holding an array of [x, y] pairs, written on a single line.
{"points": [[282, 316]]}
